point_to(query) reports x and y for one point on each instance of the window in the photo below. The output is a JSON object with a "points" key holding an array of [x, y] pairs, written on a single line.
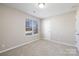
{"points": [[31, 27]]}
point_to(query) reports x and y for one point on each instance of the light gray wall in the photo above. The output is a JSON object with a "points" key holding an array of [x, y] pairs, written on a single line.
{"points": [[77, 28], [60, 28], [0, 27], [12, 28]]}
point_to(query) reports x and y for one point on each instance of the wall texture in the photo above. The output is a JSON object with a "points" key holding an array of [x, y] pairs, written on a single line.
{"points": [[0, 27], [77, 29], [12, 28], [60, 28]]}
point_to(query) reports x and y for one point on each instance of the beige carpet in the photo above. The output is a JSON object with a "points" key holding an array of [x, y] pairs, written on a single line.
{"points": [[42, 48]]}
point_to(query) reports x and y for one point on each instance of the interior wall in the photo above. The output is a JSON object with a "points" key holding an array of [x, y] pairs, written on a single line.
{"points": [[60, 28], [46, 29], [12, 28], [77, 28], [0, 27]]}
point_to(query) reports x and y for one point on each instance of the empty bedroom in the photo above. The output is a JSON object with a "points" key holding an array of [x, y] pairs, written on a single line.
{"points": [[39, 29]]}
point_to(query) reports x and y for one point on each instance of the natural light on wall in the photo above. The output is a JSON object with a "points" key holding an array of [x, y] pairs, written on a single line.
{"points": [[46, 29]]}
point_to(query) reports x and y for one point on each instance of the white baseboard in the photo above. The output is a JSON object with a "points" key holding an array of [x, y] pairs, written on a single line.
{"points": [[36, 40], [18, 46], [63, 43]]}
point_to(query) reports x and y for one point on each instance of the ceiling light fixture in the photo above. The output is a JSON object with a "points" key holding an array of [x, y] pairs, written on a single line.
{"points": [[41, 5]]}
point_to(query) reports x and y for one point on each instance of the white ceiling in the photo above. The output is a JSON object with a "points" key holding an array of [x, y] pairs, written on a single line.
{"points": [[51, 9]]}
